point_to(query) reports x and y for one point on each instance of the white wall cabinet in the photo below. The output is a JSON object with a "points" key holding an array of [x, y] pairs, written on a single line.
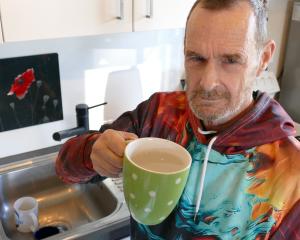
{"points": [[160, 14], [36, 19]]}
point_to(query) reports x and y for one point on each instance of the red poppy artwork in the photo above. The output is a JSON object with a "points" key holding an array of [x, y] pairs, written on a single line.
{"points": [[30, 92], [22, 83]]}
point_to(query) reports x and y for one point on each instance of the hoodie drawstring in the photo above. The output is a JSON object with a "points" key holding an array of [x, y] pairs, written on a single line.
{"points": [[202, 176]]}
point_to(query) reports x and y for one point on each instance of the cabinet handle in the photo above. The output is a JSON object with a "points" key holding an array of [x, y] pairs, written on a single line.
{"points": [[149, 4], [121, 13]]}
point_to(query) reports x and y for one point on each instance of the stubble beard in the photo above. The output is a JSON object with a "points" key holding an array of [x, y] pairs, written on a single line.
{"points": [[221, 116]]}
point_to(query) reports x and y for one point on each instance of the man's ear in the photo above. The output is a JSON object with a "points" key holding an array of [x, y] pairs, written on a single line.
{"points": [[265, 56]]}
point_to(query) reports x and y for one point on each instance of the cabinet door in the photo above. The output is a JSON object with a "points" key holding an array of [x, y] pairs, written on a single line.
{"points": [[40, 19], [158, 14]]}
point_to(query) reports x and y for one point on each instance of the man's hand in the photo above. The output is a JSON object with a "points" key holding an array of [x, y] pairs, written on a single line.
{"points": [[108, 150]]}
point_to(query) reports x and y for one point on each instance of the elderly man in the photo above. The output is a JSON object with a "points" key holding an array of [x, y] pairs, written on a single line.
{"points": [[252, 180]]}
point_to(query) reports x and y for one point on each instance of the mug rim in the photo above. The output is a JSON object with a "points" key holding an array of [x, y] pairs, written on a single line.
{"points": [[17, 204], [189, 158]]}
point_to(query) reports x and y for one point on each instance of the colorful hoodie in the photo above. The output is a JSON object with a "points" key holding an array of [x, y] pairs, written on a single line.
{"points": [[252, 182]]}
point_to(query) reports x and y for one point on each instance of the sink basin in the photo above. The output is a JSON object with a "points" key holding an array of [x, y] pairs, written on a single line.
{"points": [[76, 210]]}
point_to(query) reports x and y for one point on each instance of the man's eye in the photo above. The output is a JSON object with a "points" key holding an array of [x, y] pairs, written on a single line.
{"points": [[196, 58], [230, 60]]}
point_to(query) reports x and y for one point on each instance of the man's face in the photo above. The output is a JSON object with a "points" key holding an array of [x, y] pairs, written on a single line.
{"points": [[221, 62]]}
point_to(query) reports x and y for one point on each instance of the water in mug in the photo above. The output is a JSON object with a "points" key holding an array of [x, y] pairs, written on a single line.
{"points": [[158, 161]]}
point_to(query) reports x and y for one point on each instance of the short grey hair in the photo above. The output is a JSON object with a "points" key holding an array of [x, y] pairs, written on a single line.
{"points": [[259, 7]]}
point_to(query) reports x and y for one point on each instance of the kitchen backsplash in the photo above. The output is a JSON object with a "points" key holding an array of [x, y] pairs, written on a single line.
{"points": [[122, 69]]}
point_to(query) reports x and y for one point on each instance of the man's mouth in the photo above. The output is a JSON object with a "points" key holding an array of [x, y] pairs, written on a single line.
{"points": [[210, 99]]}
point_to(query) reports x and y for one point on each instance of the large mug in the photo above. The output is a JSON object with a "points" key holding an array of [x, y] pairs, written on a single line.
{"points": [[155, 172]]}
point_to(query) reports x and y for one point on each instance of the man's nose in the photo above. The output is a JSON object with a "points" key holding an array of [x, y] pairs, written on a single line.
{"points": [[209, 78]]}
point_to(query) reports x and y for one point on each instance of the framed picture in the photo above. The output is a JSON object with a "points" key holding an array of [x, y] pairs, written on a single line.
{"points": [[30, 92]]}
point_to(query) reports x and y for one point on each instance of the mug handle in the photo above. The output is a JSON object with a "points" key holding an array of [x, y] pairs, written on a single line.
{"points": [[35, 225]]}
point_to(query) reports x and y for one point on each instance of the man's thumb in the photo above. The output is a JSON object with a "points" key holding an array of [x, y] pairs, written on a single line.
{"points": [[128, 135]]}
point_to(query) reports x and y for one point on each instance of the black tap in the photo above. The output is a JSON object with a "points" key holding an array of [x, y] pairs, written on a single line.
{"points": [[82, 117]]}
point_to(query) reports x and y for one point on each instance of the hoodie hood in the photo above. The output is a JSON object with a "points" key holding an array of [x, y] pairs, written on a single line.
{"points": [[266, 122]]}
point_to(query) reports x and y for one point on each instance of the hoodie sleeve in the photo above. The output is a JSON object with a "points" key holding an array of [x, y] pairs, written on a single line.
{"points": [[73, 164], [290, 226]]}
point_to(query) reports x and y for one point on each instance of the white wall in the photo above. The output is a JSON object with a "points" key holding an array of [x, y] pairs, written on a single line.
{"points": [[122, 69], [278, 25]]}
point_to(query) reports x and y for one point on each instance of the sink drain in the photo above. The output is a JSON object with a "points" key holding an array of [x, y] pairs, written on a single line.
{"points": [[62, 228], [49, 231]]}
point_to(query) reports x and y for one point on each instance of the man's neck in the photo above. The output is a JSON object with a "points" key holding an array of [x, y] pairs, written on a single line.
{"points": [[210, 126]]}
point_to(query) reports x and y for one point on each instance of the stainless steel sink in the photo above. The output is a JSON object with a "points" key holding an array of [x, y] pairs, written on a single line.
{"points": [[77, 210]]}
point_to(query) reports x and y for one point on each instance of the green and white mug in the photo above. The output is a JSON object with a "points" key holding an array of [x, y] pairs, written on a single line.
{"points": [[155, 172]]}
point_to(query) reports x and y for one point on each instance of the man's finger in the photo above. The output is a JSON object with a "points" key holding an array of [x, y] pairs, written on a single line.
{"points": [[117, 141]]}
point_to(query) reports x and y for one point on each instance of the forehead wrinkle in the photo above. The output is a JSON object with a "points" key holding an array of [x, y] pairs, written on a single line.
{"points": [[216, 48]]}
